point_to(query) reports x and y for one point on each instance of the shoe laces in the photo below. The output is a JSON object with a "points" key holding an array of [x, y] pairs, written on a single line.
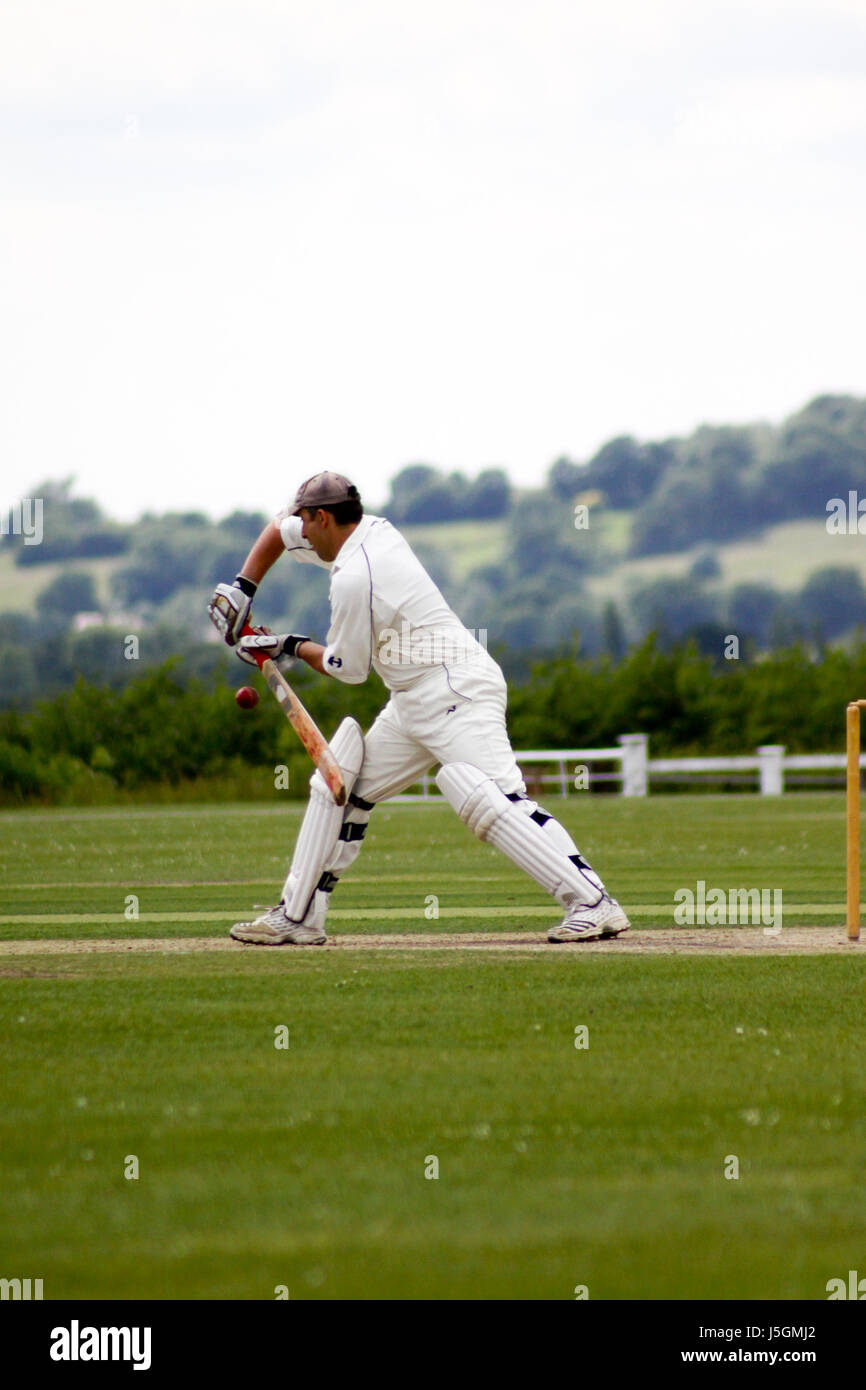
{"points": [[275, 916]]}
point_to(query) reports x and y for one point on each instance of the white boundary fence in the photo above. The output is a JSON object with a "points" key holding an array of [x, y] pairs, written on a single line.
{"points": [[634, 770], [630, 753], [770, 762]]}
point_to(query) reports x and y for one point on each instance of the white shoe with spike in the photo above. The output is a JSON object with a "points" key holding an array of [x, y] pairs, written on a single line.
{"points": [[274, 928], [582, 923]]}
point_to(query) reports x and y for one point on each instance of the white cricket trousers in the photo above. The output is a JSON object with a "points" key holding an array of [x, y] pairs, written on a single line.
{"points": [[455, 714]]}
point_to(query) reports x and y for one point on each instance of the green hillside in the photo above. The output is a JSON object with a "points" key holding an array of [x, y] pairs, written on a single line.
{"points": [[21, 585], [784, 556], [723, 532], [465, 545]]}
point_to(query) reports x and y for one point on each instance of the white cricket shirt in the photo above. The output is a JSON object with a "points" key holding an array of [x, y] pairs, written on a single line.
{"points": [[387, 615]]}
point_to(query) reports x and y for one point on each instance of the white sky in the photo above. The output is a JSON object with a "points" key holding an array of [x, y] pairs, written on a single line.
{"points": [[243, 240]]}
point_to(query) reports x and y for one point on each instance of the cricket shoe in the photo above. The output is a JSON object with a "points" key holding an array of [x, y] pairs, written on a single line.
{"points": [[582, 923], [274, 928]]}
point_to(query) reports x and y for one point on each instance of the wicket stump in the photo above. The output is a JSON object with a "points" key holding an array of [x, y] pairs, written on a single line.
{"points": [[852, 798]]}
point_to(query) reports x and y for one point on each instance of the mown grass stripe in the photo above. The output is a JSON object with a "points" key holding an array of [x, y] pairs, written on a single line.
{"points": [[239, 882], [345, 914], [382, 913]]}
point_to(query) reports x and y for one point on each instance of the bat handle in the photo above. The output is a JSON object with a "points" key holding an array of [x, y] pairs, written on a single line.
{"points": [[248, 631]]}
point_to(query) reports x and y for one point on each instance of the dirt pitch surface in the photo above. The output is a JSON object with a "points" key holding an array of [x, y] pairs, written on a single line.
{"points": [[706, 941]]}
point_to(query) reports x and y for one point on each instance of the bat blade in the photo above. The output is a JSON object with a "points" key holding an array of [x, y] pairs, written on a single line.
{"points": [[304, 726], [307, 730]]}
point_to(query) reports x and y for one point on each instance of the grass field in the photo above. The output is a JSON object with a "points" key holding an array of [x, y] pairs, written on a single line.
{"points": [[304, 1166]]}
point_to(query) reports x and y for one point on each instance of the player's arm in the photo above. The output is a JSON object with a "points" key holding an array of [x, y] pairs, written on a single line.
{"points": [[264, 554], [313, 653], [349, 650], [291, 644], [348, 653], [230, 604]]}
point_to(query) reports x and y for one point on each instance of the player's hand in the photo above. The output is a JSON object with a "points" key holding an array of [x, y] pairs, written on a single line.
{"points": [[229, 608], [269, 644]]}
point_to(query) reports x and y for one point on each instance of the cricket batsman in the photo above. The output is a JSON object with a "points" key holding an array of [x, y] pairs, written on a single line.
{"points": [[447, 706]]}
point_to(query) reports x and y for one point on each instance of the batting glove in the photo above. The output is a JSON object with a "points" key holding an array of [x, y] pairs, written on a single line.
{"points": [[230, 606], [269, 644]]}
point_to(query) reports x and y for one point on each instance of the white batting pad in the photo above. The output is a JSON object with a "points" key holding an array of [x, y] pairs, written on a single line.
{"points": [[542, 851], [320, 829]]}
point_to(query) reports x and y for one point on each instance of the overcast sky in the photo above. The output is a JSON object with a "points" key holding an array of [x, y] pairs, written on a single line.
{"points": [[244, 240]]}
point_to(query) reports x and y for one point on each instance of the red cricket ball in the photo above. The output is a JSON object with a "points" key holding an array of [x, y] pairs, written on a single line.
{"points": [[246, 697]]}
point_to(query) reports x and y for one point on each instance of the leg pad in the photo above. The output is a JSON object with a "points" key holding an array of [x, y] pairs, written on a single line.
{"points": [[541, 850]]}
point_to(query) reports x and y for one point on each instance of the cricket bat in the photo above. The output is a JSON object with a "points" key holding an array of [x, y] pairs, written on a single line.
{"points": [[303, 724]]}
